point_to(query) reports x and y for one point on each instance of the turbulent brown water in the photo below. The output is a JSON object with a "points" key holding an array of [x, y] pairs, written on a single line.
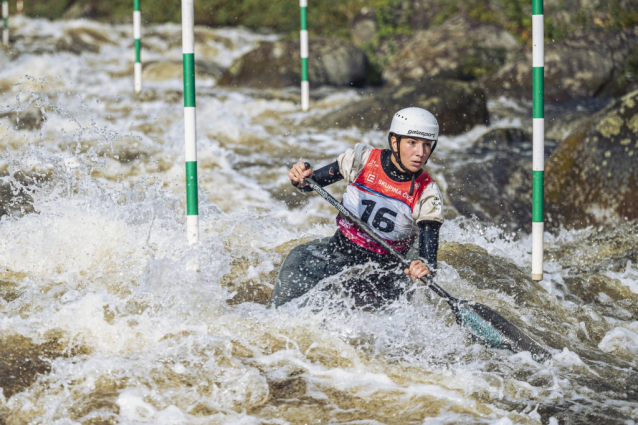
{"points": [[107, 316]]}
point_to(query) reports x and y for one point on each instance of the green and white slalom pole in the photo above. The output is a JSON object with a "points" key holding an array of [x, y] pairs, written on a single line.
{"points": [[190, 132], [5, 22], [19, 7], [137, 35], [303, 38], [538, 63]]}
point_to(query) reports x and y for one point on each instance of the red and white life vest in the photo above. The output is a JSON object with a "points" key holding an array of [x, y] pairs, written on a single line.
{"points": [[384, 204]]}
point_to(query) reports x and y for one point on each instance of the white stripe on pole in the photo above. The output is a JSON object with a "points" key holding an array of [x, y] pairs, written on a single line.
{"points": [[138, 77], [137, 24], [537, 250], [538, 41], [192, 229], [188, 23], [304, 43], [305, 95], [538, 142], [303, 3], [190, 133]]}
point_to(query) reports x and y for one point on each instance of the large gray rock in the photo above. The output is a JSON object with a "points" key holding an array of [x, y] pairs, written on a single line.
{"points": [[460, 48], [577, 68], [278, 64], [457, 105], [492, 180], [592, 178]]}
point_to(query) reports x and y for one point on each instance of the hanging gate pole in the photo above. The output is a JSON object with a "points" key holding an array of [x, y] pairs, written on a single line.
{"points": [[538, 166], [303, 39], [137, 35], [19, 6], [190, 132], [5, 22]]}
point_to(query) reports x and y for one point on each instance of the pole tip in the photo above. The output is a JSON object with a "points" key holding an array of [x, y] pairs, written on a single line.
{"points": [[537, 276]]}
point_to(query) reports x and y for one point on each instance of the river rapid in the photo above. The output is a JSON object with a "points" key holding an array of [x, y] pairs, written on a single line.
{"points": [[107, 316]]}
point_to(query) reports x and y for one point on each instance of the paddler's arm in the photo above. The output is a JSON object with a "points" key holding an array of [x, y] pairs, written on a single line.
{"points": [[428, 250], [428, 212], [429, 243], [324, 176]]}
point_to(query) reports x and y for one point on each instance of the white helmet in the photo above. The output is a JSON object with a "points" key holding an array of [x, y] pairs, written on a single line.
{"points": [[416, 122]]}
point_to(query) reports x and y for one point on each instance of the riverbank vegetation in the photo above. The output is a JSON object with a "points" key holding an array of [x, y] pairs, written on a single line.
{"points": [[332, 17]]}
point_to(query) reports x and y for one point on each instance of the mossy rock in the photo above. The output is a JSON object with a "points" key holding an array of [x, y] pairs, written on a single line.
{"points": [[457, 105], [278, 65], [488, 272], [574, 69], [460, 48], [592, 178], [497, 189]]}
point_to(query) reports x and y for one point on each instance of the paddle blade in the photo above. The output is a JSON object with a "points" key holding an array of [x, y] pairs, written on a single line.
{"points": [[496, 331]]}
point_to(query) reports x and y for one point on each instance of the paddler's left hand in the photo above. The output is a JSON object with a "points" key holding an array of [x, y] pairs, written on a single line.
{"points": [[417, 270]]}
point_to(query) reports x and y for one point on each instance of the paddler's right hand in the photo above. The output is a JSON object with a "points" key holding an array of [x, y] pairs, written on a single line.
{"points": [[297, 174]]}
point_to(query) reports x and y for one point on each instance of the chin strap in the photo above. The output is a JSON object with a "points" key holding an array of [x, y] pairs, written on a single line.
{"points": [[397, 156], [412, 186]]}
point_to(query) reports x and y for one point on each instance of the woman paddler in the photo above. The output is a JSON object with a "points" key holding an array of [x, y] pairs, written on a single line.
{"points": [[388, 190]]}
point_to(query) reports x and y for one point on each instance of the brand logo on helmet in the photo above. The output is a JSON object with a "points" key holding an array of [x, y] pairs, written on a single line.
{"points": [[420, 133]]}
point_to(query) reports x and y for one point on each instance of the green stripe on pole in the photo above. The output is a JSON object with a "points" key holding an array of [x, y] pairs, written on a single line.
{"points": [[191, 188], [304, 21], [537, 7], [539, 87], [138, 48], [136, 5], [304, 69], [189, 80], [537, 201]]}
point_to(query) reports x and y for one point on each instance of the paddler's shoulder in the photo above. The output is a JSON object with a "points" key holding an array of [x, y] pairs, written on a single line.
{"points": [[429, 206], [352, 161]]}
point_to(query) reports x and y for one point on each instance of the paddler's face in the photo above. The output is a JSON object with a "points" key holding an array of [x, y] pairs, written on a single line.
{"points": [[414, 152]]}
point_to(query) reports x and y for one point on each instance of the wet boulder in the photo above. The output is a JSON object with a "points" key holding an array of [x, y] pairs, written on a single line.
{"points": [[457, 105], [363, 26], [278, 64], [592, 177], [167, 70], [578, 68], [82, 38], [492, 180], [489, 272], [30, 118], [460, 48]]}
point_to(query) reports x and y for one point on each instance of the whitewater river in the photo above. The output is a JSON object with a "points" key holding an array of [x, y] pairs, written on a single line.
{"points": [[107, 316]]}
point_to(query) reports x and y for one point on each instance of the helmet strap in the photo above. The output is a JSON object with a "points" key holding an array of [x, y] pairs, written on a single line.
{"points": [[431, 151], [412, 186], [397, 157], [396, 154]]}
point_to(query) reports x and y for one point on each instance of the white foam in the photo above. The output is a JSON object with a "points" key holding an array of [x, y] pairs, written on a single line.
{"points": [[621, 340], [628, 278]]}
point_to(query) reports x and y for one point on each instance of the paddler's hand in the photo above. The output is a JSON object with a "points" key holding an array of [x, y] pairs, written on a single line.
{"points": [[417, 270], [298, 172]]}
